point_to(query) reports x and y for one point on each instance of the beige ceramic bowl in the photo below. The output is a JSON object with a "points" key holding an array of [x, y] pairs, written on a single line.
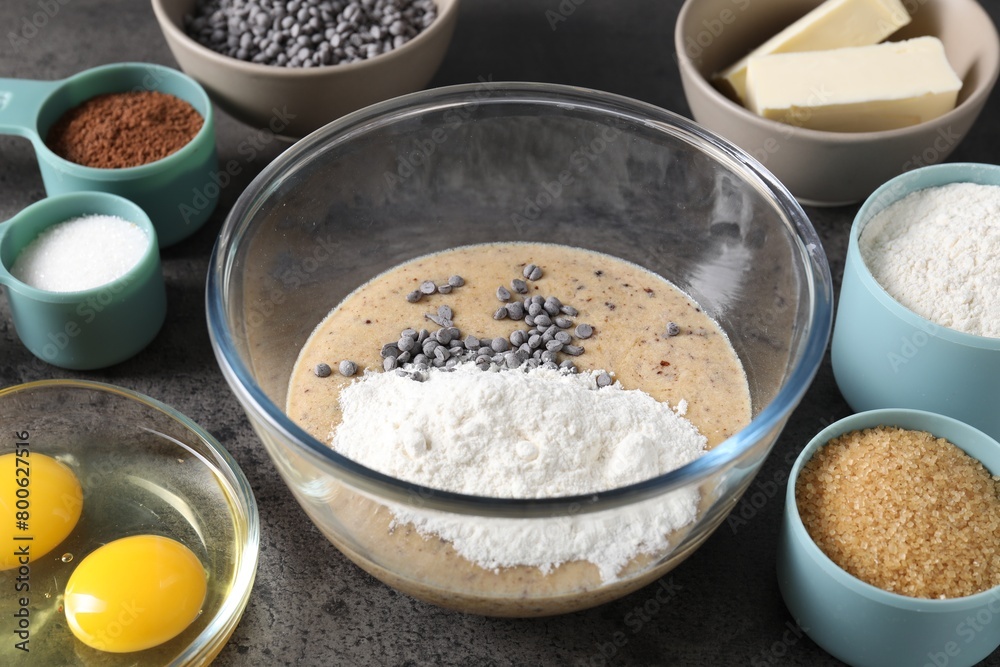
{"points": [[831, 168], [293, 102]]}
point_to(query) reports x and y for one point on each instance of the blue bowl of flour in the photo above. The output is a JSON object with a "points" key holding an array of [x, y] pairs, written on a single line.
{"points": [[885, 355]]}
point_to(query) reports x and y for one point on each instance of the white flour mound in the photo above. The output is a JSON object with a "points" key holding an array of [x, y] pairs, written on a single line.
{"points": [[516, 434], [935, 251]]}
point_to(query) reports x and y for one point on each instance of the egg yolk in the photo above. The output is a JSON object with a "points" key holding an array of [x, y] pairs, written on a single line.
{"points": [[134, 593], [40, 503]]}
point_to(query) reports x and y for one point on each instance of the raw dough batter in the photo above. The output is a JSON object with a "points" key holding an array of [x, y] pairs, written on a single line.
{"points": [[629, 309]]}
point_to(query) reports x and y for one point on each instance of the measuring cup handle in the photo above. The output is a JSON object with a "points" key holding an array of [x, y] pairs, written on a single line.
{"points": [[20, 102]]}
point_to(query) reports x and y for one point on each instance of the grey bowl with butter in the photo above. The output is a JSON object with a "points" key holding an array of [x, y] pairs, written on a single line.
{"points": [[823, 167]]}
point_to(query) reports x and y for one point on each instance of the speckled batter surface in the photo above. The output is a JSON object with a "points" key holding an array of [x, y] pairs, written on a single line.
{"points": [[629, 309]]}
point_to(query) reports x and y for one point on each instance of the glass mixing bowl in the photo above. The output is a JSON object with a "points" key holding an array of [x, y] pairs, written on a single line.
{"points": [[513, 162]]}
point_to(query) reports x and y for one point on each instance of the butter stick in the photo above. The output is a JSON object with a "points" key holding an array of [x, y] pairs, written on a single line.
{"points": [[832, 25], [856, 89]]}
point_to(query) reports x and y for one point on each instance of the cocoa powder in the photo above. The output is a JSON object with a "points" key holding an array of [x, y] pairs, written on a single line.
{"points": [[118, 130]]}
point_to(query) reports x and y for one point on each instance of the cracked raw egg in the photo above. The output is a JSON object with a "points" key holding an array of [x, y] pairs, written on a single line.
{"points": [[134, 593], [40, 504]]}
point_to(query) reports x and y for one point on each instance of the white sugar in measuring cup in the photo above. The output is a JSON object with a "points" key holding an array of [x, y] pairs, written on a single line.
{"points": [[90, 328], [177, 192]]}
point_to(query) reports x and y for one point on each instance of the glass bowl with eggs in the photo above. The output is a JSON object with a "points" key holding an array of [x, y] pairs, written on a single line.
{"points": [[517, 349], [129, 534]]}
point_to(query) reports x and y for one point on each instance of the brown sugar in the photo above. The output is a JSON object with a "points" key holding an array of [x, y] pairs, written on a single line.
{"points": [[904, 511], [119, 130]]}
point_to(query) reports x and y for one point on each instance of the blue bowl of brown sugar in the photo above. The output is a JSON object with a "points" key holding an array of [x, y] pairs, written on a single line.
{"points": [[889, 553]]}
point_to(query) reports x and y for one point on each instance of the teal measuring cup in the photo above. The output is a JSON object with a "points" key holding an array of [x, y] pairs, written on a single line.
{"points": [[91, 328], [177, 192]]}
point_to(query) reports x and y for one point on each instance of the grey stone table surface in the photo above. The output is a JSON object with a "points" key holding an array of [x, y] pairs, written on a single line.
{"points": [[310, 606]]}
